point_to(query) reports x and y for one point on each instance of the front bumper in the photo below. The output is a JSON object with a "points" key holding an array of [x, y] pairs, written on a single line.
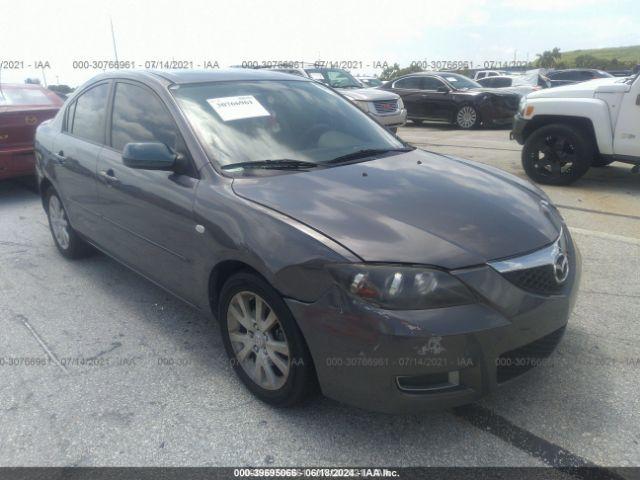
{"points": [[393, 120], [412, 361], [17, 162], [517, 132]]}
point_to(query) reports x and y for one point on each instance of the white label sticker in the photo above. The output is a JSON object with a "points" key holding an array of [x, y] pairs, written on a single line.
{"points": [[316, 76], [452, 79], [235, 108]]}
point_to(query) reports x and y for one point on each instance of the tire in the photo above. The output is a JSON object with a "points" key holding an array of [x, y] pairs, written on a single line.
{"points": [[66, 239], [257, 349], [557, 154], [600, 162], [467, 117]]}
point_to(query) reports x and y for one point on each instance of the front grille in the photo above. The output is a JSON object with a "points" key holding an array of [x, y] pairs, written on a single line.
{"points": [[539, 280], [516, 362], [386, 106]]}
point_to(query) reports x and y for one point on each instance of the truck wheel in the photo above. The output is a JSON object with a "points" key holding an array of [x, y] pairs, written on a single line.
{"points": [[601, 162], [557, 154]]}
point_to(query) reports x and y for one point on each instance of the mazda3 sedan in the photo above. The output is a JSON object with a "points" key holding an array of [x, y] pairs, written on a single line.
{"points": [[332, 254]]}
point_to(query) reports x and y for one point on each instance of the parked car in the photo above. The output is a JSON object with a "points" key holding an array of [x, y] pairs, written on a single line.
{"points": [[558, 78], [313, 235], [453, 98], [520, 84], [371, 82], [567, 130], [386, 107], [490, 73], [22, 108]]}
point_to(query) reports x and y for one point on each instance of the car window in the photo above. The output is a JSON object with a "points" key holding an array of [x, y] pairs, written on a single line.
{"points": [[481, 75], [89, 114], [501, 82], [408, 83], [485, 82], [24, 96], [247, 121], [430, 83], [139, 116]]}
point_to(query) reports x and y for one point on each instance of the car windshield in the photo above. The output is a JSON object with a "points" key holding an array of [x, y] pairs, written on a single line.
{"points": [[334, 77], [460, 82], [23, 96], [373, 82], [254, 121]]}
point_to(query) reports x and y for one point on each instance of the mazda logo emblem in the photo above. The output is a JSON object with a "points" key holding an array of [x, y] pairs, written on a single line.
{"points": [[561, 268]]}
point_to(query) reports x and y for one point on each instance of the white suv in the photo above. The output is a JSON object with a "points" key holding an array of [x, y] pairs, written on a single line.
{"points": [[567, 130]]}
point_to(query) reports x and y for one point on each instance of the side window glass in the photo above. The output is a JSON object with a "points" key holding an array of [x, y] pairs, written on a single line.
{"points": [[90, 113], [140, 116], [408, 83], [430, 83]]}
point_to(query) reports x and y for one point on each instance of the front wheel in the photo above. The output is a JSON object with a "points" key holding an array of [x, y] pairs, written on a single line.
{"points": [[467, 117], [263, 341], [557, 154]]}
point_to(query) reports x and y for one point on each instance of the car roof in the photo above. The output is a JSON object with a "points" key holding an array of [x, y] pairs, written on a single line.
{"points": [[196, 76]]}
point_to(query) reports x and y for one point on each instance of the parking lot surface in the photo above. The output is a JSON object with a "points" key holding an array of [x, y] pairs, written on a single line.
{"points": [[100, 367]]}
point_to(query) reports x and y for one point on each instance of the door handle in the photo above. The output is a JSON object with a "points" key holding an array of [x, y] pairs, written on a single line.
{"points": [[109, 177], [59, 157]]}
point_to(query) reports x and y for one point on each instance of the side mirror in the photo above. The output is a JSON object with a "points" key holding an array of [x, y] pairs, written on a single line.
{"points": [[443, 89], [149, 156]]}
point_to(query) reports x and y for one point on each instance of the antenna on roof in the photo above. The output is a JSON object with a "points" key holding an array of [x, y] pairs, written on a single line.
{"points": [[113, 39]]}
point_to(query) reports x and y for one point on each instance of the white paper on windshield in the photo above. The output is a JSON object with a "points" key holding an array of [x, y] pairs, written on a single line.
{"points": [[236, 108], [452, 79], [316, 76]]}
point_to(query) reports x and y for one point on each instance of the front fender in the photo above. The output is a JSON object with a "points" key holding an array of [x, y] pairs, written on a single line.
{"points": [[592, 110]]}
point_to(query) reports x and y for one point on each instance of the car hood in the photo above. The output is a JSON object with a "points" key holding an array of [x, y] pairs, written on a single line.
{"points": [[367, 94], [415, 207], [583, 90]]}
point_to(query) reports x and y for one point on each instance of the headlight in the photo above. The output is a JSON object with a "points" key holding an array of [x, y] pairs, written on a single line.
{"points": [[522, 105], [362, 105], [398, 287]]}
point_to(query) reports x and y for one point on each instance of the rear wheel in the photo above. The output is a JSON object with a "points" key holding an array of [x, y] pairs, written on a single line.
{"points": [[67, 241], [557, 154], [263, 341]]}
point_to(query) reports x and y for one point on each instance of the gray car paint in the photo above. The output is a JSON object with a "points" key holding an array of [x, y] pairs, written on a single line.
{"points": [[418, 208]]}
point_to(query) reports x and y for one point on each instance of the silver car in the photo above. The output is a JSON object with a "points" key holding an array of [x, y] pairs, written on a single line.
{"points": [[386, 107]]}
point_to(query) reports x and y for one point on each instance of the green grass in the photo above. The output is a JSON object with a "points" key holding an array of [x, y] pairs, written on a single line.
{"points": [[623, 54]]}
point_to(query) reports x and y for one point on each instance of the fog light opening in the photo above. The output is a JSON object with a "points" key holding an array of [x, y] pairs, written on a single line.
{"points": [[430, 383]]}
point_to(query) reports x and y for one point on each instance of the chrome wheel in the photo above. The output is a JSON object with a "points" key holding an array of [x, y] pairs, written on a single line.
{"points": [[59, 222], [258, 340], [466, 117]]}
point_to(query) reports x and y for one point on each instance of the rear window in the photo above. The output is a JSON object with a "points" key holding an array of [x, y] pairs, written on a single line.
{"points": [[23, 96]]}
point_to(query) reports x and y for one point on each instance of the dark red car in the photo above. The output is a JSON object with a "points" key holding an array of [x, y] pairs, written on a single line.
{"points": [[22, 109]]}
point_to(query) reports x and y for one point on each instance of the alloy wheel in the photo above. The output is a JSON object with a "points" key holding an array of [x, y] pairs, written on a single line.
{"points": [[59, 222], [466, 117], [554, 156], [258, 340]]}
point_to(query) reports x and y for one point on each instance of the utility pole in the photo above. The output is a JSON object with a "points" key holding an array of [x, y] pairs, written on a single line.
{"points": [[113, 38]]}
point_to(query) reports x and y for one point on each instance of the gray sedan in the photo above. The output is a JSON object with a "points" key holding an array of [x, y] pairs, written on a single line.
{"points": [[332, 254]]}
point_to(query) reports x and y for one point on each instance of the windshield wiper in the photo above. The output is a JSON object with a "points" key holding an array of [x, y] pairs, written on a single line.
{"points": [[366, 152], [280, 164]]}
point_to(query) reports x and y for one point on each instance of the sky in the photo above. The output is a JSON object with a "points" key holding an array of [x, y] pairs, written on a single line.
{"points": [[368, 32]]}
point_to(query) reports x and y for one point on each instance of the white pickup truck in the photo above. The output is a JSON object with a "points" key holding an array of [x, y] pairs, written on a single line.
{"points": [[566, 130]]}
